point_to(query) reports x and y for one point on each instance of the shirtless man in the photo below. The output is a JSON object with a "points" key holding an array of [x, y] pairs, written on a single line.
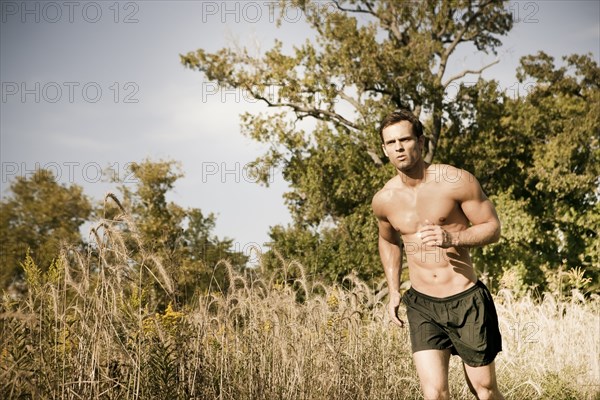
{"points": [[434, 213]]}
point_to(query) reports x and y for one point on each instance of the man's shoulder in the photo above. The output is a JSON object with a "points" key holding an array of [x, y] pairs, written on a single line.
{"points": [[384, 196], [449, 174], [388, 189], [443, 168]]}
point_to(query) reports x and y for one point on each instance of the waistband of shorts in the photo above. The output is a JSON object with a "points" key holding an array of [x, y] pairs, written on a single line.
{"points": [[478, 285]]}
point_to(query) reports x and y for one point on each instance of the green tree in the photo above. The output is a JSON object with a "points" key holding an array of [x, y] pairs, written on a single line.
{"points": [[39, 214], [539, 155], [180, 238], [368, 58]]}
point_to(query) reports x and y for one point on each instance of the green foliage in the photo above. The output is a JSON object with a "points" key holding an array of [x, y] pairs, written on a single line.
{"points": [[367, 59], [539, 156], [536, 156], [39, 214], [174, 244], [333, 252], [93, 337], [178, 242]]}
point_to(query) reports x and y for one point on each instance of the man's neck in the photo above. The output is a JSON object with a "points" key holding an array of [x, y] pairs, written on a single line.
{"points": [[413, 177]]}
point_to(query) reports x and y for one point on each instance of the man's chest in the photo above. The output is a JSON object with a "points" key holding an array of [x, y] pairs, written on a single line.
{"points": [[407, 211]]}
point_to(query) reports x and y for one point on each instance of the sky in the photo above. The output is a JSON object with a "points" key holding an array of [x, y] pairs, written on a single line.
{"points": [[90, 85]]}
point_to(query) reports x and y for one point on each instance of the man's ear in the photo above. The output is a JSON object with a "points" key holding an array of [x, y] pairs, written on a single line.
{"points": [[384, 150]]}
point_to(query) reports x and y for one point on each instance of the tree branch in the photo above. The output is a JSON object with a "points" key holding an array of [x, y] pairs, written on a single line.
{"points": [[350, 100], [314, 112], [375, 157], [356, 10], [469, 71], [458, 39]]}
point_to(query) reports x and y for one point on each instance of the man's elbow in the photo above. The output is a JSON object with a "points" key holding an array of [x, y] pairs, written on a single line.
{"points": [[497, 232]]}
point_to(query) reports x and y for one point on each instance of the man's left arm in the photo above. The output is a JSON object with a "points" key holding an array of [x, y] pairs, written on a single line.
{"points": [[479, 210]]}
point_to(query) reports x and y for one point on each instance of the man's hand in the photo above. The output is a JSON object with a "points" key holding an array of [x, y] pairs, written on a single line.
{"points": [[435, 235], [393, 306]]}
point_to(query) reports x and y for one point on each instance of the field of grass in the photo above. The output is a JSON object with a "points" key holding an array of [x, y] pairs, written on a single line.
{"points": [[84, 335]]}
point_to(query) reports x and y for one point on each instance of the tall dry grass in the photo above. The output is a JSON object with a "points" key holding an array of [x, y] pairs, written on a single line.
{"points": [[88, 331]]}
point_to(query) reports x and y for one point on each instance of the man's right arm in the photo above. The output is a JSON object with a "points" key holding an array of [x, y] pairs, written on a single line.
{"points": [[390, 252]]}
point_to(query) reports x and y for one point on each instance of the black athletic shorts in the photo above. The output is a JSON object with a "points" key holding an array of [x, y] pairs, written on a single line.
{"points": [[466, 323]]}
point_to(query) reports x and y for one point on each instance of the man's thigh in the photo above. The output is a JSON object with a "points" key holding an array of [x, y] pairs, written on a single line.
{"points": [[432, 367], [482, 377]]}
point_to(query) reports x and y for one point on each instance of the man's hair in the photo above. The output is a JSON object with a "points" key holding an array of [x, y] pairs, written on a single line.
{"points": [[399, 116]]}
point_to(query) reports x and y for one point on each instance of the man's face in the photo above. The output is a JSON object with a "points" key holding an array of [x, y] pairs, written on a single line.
{"points": [[401, 146]]}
